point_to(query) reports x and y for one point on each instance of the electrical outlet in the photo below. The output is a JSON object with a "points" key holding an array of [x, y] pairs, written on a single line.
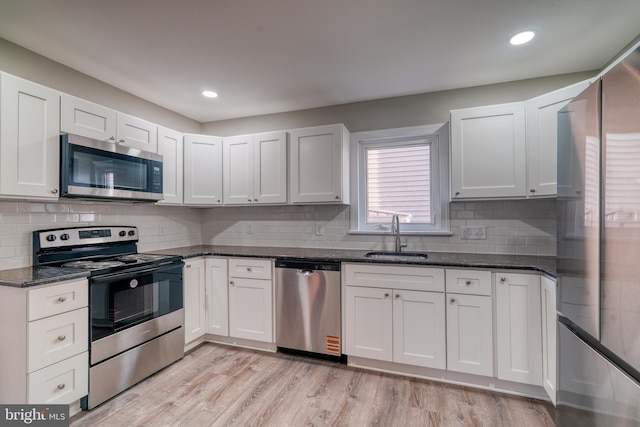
{"points": [[474, 233]]}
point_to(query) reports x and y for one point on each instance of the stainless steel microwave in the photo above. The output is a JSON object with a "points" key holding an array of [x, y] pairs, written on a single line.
{"points": [[93, 169]]}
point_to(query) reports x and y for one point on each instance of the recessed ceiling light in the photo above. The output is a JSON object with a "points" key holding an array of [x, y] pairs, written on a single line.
{"points": [[522, 38], [210, 94]]}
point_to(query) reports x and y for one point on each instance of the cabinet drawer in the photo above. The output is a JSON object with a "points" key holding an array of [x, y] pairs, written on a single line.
{"points": [[250, 268], [61, 383], [56, 338], [60, 298], [395, 277], [472, 282]]}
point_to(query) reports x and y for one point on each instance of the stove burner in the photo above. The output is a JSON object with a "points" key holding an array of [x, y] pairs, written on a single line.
{"points": [[92, 265]]}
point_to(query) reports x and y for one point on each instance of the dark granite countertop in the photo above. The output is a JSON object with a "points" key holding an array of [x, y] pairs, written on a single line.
{"points": [[33, 276], [543, 264]]}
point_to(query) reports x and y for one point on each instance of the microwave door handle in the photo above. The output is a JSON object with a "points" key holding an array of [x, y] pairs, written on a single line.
{"points": [[134, 273]]}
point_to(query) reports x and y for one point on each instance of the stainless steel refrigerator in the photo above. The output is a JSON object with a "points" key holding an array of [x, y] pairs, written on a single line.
{"points": [[599, 252]]}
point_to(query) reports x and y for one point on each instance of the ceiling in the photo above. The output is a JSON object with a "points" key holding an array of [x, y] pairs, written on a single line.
{"points": [[268, 56]]}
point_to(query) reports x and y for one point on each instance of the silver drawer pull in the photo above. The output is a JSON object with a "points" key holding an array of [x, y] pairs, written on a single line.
{"points": [[62, 299], [452, 300], [61, 386], [61, 337], [386, 295], [468, 283], [503, 279], [249, 269]]}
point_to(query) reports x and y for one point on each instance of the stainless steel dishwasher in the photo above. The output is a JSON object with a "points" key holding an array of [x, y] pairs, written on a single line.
{"points": [[308, 307]]}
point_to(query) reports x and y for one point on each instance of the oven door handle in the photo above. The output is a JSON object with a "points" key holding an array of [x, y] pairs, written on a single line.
{"points": [[158, 268]]}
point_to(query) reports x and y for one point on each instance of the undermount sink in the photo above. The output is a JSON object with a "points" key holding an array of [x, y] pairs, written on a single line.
{"points": [[396, 255]]}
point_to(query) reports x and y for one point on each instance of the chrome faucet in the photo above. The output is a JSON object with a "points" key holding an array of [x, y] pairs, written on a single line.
{"points": [[395, 231]]}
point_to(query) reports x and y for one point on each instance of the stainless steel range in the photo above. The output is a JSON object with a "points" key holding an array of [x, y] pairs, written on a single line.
{"points": [[135, 301]]}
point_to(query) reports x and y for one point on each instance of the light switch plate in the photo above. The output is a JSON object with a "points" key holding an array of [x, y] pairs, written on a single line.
{"points": [[474, 233]]}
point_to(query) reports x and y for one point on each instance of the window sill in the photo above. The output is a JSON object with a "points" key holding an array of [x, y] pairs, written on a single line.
{"points": [[408, 233]]}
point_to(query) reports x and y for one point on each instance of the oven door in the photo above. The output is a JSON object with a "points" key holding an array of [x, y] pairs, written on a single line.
{"points": [[120, 301], [97, 169]]}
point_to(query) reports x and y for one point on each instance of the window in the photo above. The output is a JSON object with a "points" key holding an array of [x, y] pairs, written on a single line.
{"points": [[400, 172]]}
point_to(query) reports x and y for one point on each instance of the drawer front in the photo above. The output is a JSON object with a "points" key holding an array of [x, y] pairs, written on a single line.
{"points": [[51, 300], [250, 268], [395, 277], [57, 338], [61, 383], [472, 282]]}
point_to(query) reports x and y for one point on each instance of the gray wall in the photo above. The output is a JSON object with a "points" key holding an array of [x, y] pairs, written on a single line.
{"points": [[31, 66], [414, 110]]}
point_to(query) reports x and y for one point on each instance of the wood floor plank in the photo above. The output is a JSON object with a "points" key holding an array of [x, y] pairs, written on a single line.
{"points": [[217, 385]]}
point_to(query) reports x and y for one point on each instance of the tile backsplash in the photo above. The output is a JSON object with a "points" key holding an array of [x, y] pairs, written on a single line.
{"points": [[526, 227], [511, 227]]}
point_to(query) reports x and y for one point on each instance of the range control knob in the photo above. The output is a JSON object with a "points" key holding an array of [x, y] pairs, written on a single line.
{"points": [[122, 233], [51, 237], [131, 232], [65, 236]]}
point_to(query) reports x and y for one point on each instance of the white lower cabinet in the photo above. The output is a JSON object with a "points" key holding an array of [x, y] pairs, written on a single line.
{"points": [[519, 328], [395, 324], [47, 360], [549, 333], [194, 299], [217, 293], [251, 299]]}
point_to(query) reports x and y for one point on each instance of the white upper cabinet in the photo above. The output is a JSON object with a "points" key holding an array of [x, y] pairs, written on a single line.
{"points": [[542, 138], [29, 139], [170, 146], [202, 170], [488, 155], [319, 165], [85, 118], [255, 169]]}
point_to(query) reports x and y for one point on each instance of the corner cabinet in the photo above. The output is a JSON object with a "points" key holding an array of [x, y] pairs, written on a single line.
{"points": [[170, 147], [29, 139], [202, 170], [319, 165], [194, 299], [519, 328], [542, 138], [45, 358], [255, 169], [395, 314], [488, 154], [85, 118]]}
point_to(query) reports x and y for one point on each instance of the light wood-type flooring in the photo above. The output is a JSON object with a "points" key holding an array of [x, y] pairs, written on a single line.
{"points": [[217, 385]]}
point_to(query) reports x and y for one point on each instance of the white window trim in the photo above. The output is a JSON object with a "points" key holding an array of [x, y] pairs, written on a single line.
{"points": [[439, 134]]}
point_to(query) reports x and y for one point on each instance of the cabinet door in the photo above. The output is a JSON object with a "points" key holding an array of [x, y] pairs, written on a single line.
{"points": [[194, 299], [270, 168], [542, 138], [470, 334], [87, 119], [488, 152], [217, 296], [419, 329], [202, 170], [518, 328], [29, 139], [549, 328], [171, 148], [316, 163], [369, 323], [136, 133], [238, 170], [251, 309], [61, 383]]}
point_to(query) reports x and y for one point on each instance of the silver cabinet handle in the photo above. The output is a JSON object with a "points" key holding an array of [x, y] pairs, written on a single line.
{"points": [[452, 300], [457, 193], [61, 386], [337, 197], [386, 294], [62, 299], [121, 141], [188, 265], [54, 191], [249, 200], [468, 283], [255, 200], [533, 190], [503, 279], [232, 283], [397, 296], [112, 139], [61, 337], [249, 269]]}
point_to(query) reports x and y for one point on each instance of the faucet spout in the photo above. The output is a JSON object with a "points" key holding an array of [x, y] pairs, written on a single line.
{"points": [[395, 231]]}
